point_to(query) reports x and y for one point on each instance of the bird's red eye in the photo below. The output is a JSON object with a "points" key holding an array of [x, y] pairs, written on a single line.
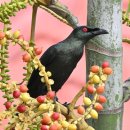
{"points": [[84, 29]]}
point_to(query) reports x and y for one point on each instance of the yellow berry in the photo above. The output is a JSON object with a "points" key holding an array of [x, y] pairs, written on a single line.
{"points": [[25, 97], [51, 81], [43, 107], [87, 101], [16, 34], [104, 77], [8, 34], [94, 114], [64, 124], [90, 128], [72, 127], [91, 75], [96, 79], [49, 74], [3, 41]]}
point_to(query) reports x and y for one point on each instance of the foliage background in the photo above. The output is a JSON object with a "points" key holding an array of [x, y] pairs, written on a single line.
{"points": [[49, 30]]}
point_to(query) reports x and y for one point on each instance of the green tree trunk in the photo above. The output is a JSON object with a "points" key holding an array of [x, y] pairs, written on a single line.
{"points": [[107, 14]]}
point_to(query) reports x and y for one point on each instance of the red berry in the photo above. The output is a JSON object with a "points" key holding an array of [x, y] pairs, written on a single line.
{"points": [[95, 69], [107, 70], [90, 89], [21, 108], [51, 95], [2, 35], [81, 110], [38, 51], [55, 116], [8, 105], [100, 89], [26, 57], [16, 94], [46, 120], [105, 64], [53, 127], [23, 88], [41, 99], [101, 99], [44, 127]]}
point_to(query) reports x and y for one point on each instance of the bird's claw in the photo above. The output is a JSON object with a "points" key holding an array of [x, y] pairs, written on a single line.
{"points": [[66, 104]]}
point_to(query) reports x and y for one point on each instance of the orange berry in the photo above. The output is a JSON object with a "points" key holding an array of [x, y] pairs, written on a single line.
{"points": [[101, 99], [100, 89], [23, 88], [107, 70], [98, 106], [21, 37], [95, 69], [26, 57], [53, 127], [38, 51], [81, 110], [59, 126], [90, 89], [46, 120], [2, 35]]}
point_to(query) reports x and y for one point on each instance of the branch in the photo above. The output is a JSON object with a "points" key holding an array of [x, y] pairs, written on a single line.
{"points": [[60, 11], [126, 40]]}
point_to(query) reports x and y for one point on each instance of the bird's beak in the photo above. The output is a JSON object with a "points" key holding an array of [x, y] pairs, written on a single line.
{"points": [[98, 31]]}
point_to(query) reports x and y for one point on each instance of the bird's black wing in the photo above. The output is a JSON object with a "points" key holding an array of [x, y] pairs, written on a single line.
{"points": [[35, 86], [48, 57]]}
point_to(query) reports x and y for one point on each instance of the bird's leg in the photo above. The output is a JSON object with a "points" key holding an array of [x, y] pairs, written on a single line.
{"points": [[66, 104], [55, 99]]}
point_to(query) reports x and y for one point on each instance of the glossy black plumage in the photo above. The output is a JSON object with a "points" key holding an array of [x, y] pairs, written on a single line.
{"points": [[61, 59]]}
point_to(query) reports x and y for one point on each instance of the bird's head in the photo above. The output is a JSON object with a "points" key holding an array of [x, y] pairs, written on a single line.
{"points": [[86, 33]]}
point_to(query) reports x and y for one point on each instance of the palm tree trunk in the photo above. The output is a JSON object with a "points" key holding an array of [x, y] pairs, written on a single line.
{"points": [[107, 14]]}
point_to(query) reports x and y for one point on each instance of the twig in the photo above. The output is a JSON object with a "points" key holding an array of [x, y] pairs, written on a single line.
{"points": [[79, 94]]}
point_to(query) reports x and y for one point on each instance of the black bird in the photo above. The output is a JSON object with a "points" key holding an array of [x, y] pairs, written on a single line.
{"points": [[61, 59]]}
